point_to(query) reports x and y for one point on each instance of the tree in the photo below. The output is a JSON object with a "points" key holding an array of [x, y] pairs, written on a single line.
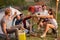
{"points": [[2, 3], [12, 2]]}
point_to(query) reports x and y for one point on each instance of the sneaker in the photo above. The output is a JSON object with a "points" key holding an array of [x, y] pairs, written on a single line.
{"points": [[43, 36]]}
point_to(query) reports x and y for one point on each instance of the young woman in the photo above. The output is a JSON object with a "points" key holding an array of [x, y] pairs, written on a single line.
{"points": [[53, 23]]}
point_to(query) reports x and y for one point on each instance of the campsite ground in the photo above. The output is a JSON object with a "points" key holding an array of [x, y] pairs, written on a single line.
{"points": [[49, 36]]}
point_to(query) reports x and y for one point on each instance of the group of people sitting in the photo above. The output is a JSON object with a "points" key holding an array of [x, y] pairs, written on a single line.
{"points": [[45, 18]]}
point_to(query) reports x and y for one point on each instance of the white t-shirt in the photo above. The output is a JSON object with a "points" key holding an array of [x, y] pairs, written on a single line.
{"points": [[45, 12]]}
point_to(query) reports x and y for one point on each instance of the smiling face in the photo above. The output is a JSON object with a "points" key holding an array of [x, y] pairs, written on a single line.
{"points": [[44, 7]]}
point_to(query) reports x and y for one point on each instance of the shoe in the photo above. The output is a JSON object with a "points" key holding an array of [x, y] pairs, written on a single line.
{"points": [[43, 36]]}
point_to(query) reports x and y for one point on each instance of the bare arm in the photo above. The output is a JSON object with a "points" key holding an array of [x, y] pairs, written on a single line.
{"points": [[43, 16], [49, 16], [4, 29]]}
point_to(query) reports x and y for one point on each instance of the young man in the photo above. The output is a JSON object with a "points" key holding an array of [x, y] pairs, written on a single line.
{"points": [[24, 21], [44, 12], [6, 24]]}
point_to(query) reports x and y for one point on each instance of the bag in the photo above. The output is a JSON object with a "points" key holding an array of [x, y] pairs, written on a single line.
{"points": [[21, 35]]}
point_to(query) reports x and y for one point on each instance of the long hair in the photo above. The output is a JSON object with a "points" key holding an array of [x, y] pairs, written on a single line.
{"points": [[52, 12]]}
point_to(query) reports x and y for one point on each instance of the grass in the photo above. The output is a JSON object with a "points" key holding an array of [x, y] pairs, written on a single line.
{"points": [[49, 37]]}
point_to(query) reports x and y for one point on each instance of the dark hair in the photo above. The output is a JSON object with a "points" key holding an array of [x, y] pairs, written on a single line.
{"points": [[52, 12], [43, 5], [20, 14]]}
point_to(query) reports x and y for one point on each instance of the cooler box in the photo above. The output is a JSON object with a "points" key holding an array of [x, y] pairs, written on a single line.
{"points": [[21, 35]]}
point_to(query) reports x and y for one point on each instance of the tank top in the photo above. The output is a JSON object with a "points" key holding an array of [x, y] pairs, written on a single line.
{"points": [[54, 22]]}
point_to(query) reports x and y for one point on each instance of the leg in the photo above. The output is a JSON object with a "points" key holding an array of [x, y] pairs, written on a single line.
{"points": [[47, 28], [15, 30], [55, 32], [40, 25], [7, 38], [16, 34], [30, 27]]}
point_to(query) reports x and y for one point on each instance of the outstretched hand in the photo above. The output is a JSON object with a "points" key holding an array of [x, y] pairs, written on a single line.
{"points": [[15, 13]]}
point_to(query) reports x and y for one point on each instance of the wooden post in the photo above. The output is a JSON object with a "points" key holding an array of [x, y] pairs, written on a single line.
{"points": [[57, 2]]}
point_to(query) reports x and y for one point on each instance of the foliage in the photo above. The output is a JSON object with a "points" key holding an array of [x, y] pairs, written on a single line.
{"points": [[12, 2], [52, 3], [23, 3]]}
